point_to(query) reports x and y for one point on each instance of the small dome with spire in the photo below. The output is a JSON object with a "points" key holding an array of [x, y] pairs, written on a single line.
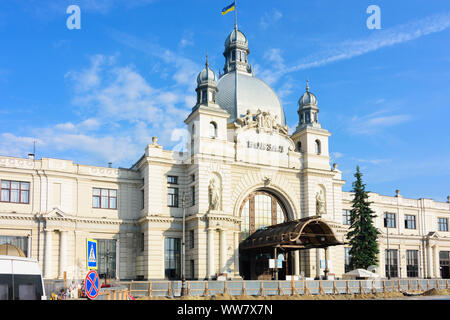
{"points": [[308, 98], [235, 36], [206, 74]]}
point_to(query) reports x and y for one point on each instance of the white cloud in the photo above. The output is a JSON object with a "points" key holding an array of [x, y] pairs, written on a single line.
{"points": [[381, 39], [185, 69], [269, 19], [375, 122]]}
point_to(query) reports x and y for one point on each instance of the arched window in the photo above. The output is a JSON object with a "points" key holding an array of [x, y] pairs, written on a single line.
{"points": [[318, 147], [260, 209], [212, 129], [204, 96]]}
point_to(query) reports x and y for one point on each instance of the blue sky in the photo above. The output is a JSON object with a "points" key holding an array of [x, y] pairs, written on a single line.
{"points": [[100, 93]]}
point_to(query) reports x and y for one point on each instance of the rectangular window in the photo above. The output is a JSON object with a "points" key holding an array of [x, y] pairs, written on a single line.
{"points": [[141, 242], [192, 177], [104, 198], [410, 221], [15, 191], [172, 258], [442, 224], [347, 258], [192, 239], [172, 197], [192, 269], [172, 179], [346, 217], [193, 196], [19, 242], [389, 220], [412, 263], [391, 263]]}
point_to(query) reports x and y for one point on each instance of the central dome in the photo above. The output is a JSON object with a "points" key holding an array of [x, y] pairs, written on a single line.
{"points": [[253, 94]]}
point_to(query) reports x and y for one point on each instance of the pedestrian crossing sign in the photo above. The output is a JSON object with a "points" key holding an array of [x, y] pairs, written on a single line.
{"points": [[92, 261]]}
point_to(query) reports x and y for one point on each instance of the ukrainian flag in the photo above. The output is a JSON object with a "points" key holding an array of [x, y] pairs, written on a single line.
{"points": [[229, 8]]}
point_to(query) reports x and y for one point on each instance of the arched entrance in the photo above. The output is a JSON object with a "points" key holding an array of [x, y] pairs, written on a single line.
{"points": [[260, 209]]}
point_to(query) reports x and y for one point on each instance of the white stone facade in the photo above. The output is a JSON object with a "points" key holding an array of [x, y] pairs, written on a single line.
{"points": [[250, 155]]}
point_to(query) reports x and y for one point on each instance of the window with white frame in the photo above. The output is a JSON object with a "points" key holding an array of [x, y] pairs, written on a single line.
{"points": [[104, 198]]}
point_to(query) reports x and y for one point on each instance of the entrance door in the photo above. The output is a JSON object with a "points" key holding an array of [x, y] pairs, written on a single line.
{"points": [[258, 210], [444, 263]]}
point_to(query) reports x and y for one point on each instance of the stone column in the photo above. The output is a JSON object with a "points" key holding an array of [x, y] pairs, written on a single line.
{"points": [[48, 254], [211, 267], [236, 253], [327, 270], [429, 273], [401, 262], [317, 263], [437, 270], [223, 250], [62, 253], [297, 262]]}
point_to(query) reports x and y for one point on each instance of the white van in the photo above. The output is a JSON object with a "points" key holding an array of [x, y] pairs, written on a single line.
{"points": [[20, 279]]}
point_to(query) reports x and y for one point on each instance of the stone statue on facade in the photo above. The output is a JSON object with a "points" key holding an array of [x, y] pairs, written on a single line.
{"points": [[215, 195], [320, 203]]}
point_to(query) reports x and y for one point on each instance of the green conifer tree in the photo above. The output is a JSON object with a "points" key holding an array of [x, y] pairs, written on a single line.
{"points": [[362, 233]]}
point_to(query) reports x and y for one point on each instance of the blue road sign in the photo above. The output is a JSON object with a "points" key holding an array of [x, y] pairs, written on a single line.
{"points": [[92, 261], [91, 284]]}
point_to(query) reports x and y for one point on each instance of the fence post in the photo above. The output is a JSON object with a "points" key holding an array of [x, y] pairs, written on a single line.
{"points": [[225, 289], [280, 291], [261, 286], [393, 286], [150, 289], [188, 288], [244, 292], [348, 287], [320, 287], [335, 291], [384, 286], [437, 284], [399, 286], [206, 289], [292, 286], [360, 287], [428, 284], [169, 291], [409, 285], [131, 286], [306, 288]]}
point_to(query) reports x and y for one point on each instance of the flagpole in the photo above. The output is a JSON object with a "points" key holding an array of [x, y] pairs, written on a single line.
{"points": [[235, 61], [235, 15]]}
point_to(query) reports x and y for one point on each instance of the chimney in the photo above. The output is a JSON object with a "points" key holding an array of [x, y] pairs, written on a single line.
{"points": [[31, 156]]}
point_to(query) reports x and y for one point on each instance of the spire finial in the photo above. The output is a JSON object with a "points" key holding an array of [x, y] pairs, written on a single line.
{"points": [[307, 85], [207, 63]]}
